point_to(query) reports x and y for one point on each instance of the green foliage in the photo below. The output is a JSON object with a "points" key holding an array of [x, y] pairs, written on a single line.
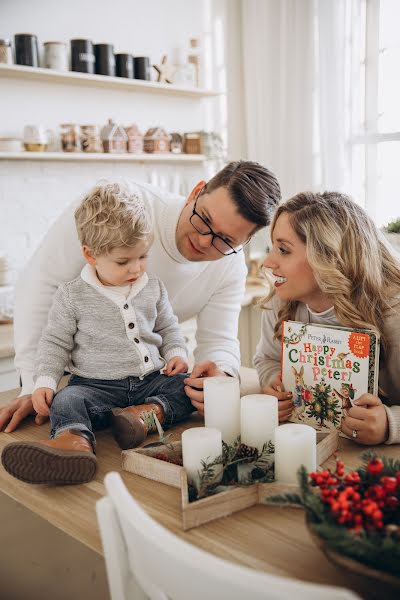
{"points": [[285, 500], [324, 407], [260, 468], [371, 547], [393, 226], [294, 338]]}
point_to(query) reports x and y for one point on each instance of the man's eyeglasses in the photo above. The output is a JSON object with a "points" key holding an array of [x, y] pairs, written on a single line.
{"points": [[202, 227]]}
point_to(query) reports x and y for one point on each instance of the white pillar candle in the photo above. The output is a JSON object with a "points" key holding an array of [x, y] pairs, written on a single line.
{"points": [[259, 419], [295, 445], [200, 444], [222, 406]]}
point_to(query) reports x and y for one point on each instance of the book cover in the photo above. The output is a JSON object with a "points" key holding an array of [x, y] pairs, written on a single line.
{"points": [[326, 369]]}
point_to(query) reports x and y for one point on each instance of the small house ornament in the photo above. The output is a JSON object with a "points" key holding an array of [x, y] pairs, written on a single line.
{"points": [[165, 71], [135, 139], [114, 138], [156, 140], [176, 143]]}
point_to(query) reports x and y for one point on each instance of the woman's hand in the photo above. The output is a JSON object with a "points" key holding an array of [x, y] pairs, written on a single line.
{"points": [[368, 418], [285, 402]]}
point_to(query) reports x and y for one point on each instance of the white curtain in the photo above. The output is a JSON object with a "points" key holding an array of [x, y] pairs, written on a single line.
{"points": [[291, 62]]}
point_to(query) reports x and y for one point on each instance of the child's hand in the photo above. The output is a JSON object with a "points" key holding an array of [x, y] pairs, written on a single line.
{"points": [[285, 402], [175, 365], [368, 418], [41, 400]]}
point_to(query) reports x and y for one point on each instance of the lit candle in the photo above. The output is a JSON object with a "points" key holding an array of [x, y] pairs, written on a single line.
{"points": [[222, 406], [295, 445], [200, 444], [259, 419]]}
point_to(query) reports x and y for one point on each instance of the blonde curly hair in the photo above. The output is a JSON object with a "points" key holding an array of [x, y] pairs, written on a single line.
{"points": [[350, 259], [112, 215]]}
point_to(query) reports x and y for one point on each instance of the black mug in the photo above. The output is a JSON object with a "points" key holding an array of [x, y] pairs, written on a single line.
{"points": [[82, 56], [142, 67], [105, 59], [26, 49], [124, 65]]}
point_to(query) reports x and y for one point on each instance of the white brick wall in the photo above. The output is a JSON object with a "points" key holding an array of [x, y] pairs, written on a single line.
{"points": [[33, 194]]}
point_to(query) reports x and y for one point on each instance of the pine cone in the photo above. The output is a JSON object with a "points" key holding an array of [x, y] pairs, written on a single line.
{"points": [[247, 452]]}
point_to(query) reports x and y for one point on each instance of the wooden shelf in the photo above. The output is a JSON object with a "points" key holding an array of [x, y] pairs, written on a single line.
{"points": [[102, 157], [101, 81]]}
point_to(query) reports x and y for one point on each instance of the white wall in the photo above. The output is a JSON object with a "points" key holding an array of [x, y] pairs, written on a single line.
{"points": [[32, 194], [151, 28]]}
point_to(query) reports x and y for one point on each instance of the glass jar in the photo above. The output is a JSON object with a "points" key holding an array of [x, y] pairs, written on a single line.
{"points": [[90, 137], [70, 137], [6, 57]]}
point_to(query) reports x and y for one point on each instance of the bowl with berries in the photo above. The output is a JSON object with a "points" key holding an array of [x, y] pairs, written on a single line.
{"points": [[354, 517]]}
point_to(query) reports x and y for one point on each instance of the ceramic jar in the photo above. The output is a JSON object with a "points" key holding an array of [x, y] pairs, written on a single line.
{"points": [[26, 49], [55, 56], [82, 56], [36, 138]]}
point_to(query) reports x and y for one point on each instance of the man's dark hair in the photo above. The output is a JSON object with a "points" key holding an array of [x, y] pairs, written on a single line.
{"points": [[254, 190]]}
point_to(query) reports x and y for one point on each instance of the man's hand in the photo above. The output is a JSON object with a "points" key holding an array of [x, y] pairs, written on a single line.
{"points": [[41, 400], [194, 383], [285, 402], [175, 365], [15, 412], [368, 418]]}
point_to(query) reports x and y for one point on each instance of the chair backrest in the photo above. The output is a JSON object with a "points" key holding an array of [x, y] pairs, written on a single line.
{"points": [[144, 559]]}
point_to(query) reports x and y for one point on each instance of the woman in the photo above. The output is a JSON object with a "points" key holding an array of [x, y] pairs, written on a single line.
{"points": [[330, 265]]}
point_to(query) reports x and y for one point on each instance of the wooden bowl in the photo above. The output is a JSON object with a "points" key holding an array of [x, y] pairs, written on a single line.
{"points": [[351, 565]]}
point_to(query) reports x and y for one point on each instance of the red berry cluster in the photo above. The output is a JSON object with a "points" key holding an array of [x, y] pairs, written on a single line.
{"points": [[360, 504], [175, 460]]}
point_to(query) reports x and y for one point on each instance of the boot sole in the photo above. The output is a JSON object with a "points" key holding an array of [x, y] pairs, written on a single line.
{"points": [[125, 430], [34, 463]]}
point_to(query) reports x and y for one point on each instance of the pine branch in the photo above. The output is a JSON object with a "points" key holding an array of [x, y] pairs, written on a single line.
{"points": [[284, 500]]}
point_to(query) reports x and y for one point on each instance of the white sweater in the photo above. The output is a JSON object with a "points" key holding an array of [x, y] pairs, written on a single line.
{"points": [[212, 291]]}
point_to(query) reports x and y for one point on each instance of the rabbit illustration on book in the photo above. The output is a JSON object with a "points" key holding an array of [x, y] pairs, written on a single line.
{"points": [[346, 395], [299, 393]]}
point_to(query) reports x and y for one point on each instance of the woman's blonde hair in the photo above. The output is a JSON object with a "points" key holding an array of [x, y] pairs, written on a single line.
{"points": [[112, 215], [349, 257]]}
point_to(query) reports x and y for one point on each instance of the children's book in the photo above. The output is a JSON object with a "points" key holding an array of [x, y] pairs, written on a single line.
{"points": [[326, 369]]}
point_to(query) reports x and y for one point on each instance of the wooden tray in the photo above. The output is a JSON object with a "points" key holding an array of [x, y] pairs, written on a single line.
{"points": [[141, 461]]}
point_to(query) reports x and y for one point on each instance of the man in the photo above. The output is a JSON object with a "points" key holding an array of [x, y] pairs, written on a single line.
{"points": [[197, 252]]}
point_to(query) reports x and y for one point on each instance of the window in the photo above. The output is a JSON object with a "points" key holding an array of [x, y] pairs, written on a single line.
{"points": [[375, 107]]}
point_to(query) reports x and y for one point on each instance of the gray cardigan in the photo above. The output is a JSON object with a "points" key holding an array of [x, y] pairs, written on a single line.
{"points": [[101, 334]]}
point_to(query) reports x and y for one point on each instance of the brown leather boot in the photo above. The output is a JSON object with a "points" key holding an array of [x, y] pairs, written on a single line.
{"points": [[67, 459], [131, 425]]}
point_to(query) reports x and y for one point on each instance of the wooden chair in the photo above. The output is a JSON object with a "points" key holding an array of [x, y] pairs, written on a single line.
{"points": [[145, 560]]}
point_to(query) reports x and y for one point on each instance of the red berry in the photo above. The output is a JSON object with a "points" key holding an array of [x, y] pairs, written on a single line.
{"points": [[375, 466], [392, 502], [389, 483]]}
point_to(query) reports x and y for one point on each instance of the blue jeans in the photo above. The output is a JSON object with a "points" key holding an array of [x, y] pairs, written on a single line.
{"points": [[86, 404]]}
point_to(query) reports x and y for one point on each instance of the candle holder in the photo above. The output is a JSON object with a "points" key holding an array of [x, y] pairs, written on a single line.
{"points": [[163, 464]]}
